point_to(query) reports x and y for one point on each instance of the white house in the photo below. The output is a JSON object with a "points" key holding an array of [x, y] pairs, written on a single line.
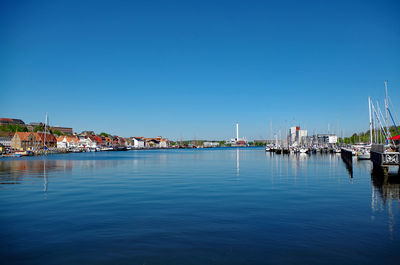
{"points": [[87, 143], [164, 143], [67, 142], [138, 142]]}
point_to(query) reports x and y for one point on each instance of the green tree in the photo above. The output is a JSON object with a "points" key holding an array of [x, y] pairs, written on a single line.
{"points": [[57, 132], [105, 134], [38, 128], [13, 128]]}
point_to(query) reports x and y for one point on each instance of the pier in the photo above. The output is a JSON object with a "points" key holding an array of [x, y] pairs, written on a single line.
{"points": [[347, 156], [384, 159]]}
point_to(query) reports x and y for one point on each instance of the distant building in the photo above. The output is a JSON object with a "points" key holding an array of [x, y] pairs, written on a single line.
{"points": [[211, 144], [7, 121], [301, 136], [293, 135], [64, 130], [237, 141], [31, 126], [326, 139]]}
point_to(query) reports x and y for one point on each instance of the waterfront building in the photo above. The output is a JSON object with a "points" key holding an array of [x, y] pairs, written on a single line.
{"points": [[86, 143], [33, 141], [5, 139], [47, 139], [326, 139], [138, 142], [108, 141], [237, 141], [151, 142], [164, 143], [67, 142], [293, 135], [301, 136], [97, 139], [24, 141], [118, 141]]}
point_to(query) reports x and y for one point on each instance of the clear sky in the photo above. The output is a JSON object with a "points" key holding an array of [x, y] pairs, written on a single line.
{"points": [[194, 68]]}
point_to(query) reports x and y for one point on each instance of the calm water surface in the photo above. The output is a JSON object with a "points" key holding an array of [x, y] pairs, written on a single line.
{"points": [[210, 206]]}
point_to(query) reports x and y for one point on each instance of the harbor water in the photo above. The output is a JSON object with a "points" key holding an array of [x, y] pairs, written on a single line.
{"points": [[196, 206]]}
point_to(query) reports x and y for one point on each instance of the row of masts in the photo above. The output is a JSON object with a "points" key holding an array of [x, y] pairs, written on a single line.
{"points": [[379, 127]]}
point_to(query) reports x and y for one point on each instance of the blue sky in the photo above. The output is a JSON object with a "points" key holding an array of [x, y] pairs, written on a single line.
{"points": [[193, 68]]}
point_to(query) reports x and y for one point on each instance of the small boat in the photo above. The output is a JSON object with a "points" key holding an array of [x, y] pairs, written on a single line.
{"points": [[363, 154], [21, 153], [303, 150]]}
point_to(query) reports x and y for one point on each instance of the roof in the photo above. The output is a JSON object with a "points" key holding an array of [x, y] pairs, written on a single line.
{"points": [[23, 136], [68, 138], [41, 137], [71, 138], [95, 138]]}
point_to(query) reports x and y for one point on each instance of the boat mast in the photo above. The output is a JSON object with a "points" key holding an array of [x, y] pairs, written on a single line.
{"points": [[370, 120], [45, 132], [387, 112]]}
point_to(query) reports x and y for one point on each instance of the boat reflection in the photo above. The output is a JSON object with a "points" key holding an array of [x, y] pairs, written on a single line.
{"points": [[387, 186], [385, 191]]}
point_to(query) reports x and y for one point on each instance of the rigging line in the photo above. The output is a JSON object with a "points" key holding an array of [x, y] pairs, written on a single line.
{"points": [[391, 103], [395, 126], [387, 134], [378, 118]]}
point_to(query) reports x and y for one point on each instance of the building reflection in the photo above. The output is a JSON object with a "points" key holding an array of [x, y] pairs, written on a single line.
{"points": [[237, 162], [15, 171]]}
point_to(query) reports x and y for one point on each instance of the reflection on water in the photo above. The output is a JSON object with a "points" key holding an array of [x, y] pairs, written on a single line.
{"points": [[223, 206], [387, 187], [237, 162], [13, 171]]}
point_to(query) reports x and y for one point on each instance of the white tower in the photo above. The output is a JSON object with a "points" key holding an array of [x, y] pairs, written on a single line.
{"points": [[237, 131]]}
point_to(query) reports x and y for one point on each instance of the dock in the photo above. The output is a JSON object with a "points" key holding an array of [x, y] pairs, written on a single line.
{"points": [[347, 156], [384, 159]]}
